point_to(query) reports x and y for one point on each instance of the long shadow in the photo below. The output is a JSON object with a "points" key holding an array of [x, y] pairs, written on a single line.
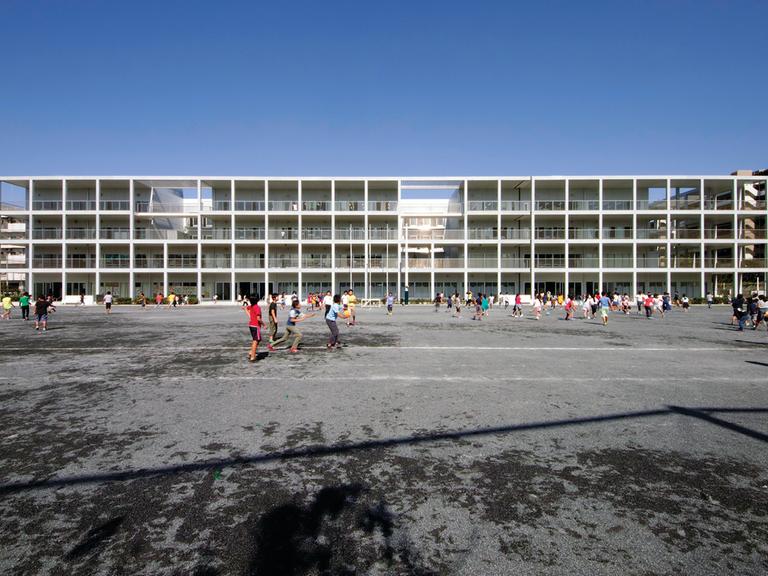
{"points": [[756, 363], [702, 413], [95, 537], [753, 343]]}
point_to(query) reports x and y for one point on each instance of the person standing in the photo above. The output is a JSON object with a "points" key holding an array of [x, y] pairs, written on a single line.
{"points": [[739, 312], [24, 305], [143, 300], [253, 310], [108, 302], [158, 299], [42, 306], [352, 305], [640, 301], [762, 311], [272, 315], [390, 305], [295, 315], [685, 302], [330, 320], [328, 301], [605, 305], [710, 300]]}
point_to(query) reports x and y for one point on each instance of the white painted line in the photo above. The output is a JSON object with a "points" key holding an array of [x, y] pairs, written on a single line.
{"points": [[352, 347]]}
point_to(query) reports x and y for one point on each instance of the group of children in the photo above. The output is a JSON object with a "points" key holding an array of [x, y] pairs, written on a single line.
{"points": [[42, 306], [335, 306]]}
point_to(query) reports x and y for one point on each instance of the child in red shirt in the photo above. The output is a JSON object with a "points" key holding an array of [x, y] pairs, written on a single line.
{"points": [[254, 324]]}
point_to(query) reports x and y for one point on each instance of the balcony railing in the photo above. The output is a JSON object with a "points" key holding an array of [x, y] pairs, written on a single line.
{"points": [[283, 206], [419, 263], [249, 206], [583, 233], [314, 261], [381, 262], [144, 206], [283, 261], [316, 205], [482, 233], [515, 234], [46, 262], [242, 233], [483, 262], [154, 234], [47, 205], [13, 261], [550, 233], [684, 204], [617, 233], [620, 261], [515, 206], [691, 261], [343, 261], [449, 262], [718, 233], [182, 261], [81, 233], [483, 205], [382, 233], [141, 261], [549, 205], [583, 262], [221, 205], [217, 261], [112, 205], [752, 234], [115, 233], [584, 205], [74, 261], [651, 234], [46, 233], [523, 263], [13, 234], [719, 262], [382, 206], [116, 261], [350, 205], [347, 234], [651, 204], [651, 262], [685, 234], [550, 261], [753, 263], [249, 261], [216, 233], [283, 234], [611, 205], [316, 233], [754, 205], [718, 204], [81, 205]]}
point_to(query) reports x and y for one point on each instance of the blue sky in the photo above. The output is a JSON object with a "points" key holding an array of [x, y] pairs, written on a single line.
{"points": [[384, 88]]}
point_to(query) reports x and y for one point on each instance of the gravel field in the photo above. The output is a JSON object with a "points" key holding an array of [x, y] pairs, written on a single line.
{"points": [[145, 443]]}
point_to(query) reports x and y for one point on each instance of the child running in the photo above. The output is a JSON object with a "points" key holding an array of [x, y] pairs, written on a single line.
{"points": [[605, 305], [24, 305], [272, 315], [295, 315], [254, 325], [108, 302], [7, 306], [330, 320], [41, 312]]}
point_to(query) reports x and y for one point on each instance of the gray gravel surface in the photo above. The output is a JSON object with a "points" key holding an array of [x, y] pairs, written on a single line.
{"points": [[145, 443]]}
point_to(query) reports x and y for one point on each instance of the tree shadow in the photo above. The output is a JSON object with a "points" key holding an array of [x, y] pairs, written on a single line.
{"points": [[95, 537]]}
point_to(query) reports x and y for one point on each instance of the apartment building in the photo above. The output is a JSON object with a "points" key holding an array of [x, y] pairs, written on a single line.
{"points": [[229, 236]]}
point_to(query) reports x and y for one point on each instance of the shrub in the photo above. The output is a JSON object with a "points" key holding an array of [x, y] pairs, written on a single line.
{"points": [[192, 300], [123, 300]]}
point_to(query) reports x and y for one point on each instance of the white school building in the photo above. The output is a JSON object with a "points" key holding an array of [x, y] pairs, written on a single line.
{"points": [[228, 236]]}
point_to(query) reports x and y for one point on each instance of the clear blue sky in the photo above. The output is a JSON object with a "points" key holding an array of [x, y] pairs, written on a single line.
{"points": [[383, 88]]}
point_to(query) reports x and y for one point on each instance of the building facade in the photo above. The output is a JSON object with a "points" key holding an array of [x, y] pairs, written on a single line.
{"points": [[230, 236]]}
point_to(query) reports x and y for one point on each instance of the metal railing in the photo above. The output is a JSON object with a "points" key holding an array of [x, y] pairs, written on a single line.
{"points": [[718, 233], [515, 262], [46, 262], [283, 261], [684, 234], [216, 233], [242, 233], [344, 262], [651, 204], [347, 234], [610, 261], [115, 233], [382, 233], [217, 261], [111, 205], [651, 262], [46, 233], [316, 233], [349, 205], [13, 261], [483, 205], [718, 204], [154, 234], [81, 233], [80, 205], [283, 234], [221, 205], [611, 205], [651, 234], [142, 261], [577, 205], [316, 205], [550, 233], [75, 261], [249, 206], [719, 262], [482, 262], [515, 206], [575, 261], [382, 205], [315, 261], [617, 233], [182, 261], [753, 263], [752, 234], [449, 262], [249, 261], [550, 261], [116, 261], [47, 205], [756, 205], [549, 205], [283, 206], [515, 234], [419, 263], [684, 204], [381, 262], [482, 233], [583, 233]]}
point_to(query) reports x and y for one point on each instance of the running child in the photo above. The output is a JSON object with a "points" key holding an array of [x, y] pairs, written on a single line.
{"points": [[330, 320], [24, 305], [108, 302], [295, 315], [254, 325], [41, 312], [7, 306]]}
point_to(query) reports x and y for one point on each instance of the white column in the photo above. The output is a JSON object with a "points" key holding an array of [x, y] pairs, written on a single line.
{"points": [[333, 236], [165, 266], [498, 236], [601, 276], [64, 239], [399, 239], [464, 210], [702, 252], [533, 237], [634, 236], [736, 255], [266, 237], [367, 253], [199, 240], [232, 246], [669, 243], [299, 250], [568, 234]]}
